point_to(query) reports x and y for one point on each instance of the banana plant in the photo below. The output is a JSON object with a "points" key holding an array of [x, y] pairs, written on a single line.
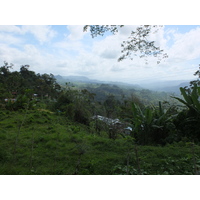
{"points": [[191, 99], [188, 120], [152, 125], [141, 121]]}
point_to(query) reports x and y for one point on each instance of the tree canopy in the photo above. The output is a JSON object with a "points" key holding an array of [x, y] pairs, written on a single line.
{"points": [[137, 44], [19, 82]]}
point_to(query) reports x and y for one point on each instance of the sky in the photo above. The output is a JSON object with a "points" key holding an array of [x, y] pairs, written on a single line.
{"points": [[66, 50]]}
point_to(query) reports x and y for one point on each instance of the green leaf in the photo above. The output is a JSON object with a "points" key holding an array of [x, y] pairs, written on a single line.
{"points": [[186, 97], [160, 108], [156, 126], [149, 115], [181, 100]]}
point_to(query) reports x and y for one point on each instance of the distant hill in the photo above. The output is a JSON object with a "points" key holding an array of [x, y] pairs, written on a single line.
{"points": [[84, 79], [167, 86], [58, 77], [175, 89], [119, 90], [171, 86]]}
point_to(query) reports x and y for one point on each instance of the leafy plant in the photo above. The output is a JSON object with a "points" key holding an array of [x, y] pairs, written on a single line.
{"points": [[188, 120], [152, 125], [191, 98]]}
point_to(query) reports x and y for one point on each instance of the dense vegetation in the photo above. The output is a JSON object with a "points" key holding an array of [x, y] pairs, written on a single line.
{"points": [[47, 128]]}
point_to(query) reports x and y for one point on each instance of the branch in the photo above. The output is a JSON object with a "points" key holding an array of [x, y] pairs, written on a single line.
{"points": [[136, 44]]}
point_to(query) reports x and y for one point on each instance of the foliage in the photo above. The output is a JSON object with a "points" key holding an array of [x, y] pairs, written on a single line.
{"points": [[191, 99], [111, 105], [51, 144], [170, 160], [77, 105], [153, 125], [16, 83], [188, 120], [197, 81], [101, 29], [23, 101], [136, 44]]}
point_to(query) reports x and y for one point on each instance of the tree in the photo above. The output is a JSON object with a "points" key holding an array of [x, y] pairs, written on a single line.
{"points": [[197, 73], [14, 85], [46, 85], [28, 78], [8, 80], [137, 43], [5, 69]]}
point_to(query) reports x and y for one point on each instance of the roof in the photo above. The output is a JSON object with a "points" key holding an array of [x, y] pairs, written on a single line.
{"points": [[108, 121]]}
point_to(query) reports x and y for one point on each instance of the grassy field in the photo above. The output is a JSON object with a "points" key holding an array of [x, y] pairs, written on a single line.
{"points": [[40, 142]]}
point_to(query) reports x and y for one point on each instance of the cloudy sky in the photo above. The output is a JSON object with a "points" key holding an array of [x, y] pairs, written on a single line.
{"points": [[67, 50]]}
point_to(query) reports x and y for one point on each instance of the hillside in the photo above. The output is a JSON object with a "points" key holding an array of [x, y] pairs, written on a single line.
{"points": [[47, 128], [40, 142], [119, 90], [168, 86], [83, 79]]}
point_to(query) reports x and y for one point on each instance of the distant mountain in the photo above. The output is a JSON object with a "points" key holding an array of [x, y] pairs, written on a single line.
{"points": [[77, 78], [84, 79], [167, 86], [171, 86], [126, 85], [175, 89], [102, 89], [58, 77]]}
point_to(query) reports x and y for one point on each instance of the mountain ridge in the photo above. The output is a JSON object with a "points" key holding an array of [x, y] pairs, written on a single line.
{"points": [[170, 86]]}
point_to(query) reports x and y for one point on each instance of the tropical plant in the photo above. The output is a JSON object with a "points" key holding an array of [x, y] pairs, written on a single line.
{"points": [[153, 125], [191, 98], [188, 119]]}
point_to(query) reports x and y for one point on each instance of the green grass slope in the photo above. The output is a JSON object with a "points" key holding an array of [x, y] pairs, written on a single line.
{"points": [[40, 142]]}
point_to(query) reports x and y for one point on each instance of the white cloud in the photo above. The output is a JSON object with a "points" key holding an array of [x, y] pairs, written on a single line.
{"points": [[126, 30], [10, 29], [41, 33], [158, 37], [186, 46], [110, 54], [74, 56], [117, 68], [69, 46], [76, 32], [9, 39], [109, 47], [39, 61]]}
